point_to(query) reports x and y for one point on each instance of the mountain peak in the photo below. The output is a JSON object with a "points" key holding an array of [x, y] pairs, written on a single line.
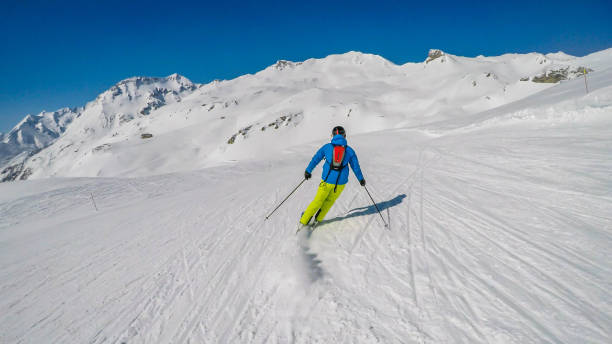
{"points": [[147, 80], [358, 58], [434, 54], [347, 58], [284, 64], [560, 56], [177, 77]]}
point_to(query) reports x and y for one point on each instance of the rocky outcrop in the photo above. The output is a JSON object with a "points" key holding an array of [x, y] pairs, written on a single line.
{"points": [[434, 54], [101, 148], [282, 121], [244, 131], [556, 75], [16, 169], [11, 173], [284, 64], [155, 100]]}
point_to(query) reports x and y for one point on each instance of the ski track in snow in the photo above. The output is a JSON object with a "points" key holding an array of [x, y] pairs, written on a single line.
{"points": [[495, 236]]}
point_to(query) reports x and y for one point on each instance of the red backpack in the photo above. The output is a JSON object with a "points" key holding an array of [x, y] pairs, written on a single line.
{"points": [[338, 158], [336, 163]]}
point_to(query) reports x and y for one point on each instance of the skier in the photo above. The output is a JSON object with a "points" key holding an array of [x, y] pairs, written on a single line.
{"points": [[338, 155]]}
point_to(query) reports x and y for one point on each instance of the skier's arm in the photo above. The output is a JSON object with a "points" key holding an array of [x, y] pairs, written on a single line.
{"points": [[316, 159], [355, 166]]}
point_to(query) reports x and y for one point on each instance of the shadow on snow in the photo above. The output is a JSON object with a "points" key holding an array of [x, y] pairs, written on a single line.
{"points": [[369, 210], [311, 259]]}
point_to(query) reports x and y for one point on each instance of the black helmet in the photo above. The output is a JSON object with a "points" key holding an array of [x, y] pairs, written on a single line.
{"points": [[338, 130]]}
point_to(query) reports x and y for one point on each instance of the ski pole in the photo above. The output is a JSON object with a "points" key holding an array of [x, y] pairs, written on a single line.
{"points": [[366, 189], [281, 203]]}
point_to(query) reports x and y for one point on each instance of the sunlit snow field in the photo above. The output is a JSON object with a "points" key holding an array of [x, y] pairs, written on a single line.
{"points": [[500, 232]]}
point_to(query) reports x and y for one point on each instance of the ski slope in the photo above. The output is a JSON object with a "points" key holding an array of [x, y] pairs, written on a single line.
{"points": [[500, 232]]}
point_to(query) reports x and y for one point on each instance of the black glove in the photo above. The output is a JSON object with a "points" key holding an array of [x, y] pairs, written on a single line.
{"points": [[307, 175], [362, 182]]}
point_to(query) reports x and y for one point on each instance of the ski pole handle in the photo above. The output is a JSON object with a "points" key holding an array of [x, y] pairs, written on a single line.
{"points": [[281, 203]]}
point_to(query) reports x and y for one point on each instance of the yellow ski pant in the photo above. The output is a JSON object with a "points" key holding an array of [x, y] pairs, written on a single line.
{"points": [[323, 201]]}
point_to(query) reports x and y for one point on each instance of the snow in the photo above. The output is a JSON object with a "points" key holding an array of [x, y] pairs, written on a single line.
{"points": [[560, 56], [500, 222], [34, 133], [192, 123]]}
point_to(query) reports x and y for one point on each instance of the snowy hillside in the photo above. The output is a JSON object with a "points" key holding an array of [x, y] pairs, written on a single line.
{"points": [[34, 133], [498, 197], [147, 126]]}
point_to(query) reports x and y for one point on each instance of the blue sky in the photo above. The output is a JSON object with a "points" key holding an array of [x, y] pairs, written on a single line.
{"points": [[55, 54]]}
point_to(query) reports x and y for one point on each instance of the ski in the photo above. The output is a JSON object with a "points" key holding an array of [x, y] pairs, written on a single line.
{"points": [[300, 227], [314, 226], [311, 227]]}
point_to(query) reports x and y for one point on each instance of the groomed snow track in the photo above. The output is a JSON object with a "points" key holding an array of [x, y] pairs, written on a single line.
{"points": [[480, 249]]}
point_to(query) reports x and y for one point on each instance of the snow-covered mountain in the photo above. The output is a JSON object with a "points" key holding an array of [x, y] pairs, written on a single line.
{"points": [[34, 133], [125, 101], [499, 229], [144, 126], [497, 193]]}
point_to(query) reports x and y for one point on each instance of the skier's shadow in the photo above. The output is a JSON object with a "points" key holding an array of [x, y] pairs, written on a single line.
{"points": [[371, 209], [311, 259]]}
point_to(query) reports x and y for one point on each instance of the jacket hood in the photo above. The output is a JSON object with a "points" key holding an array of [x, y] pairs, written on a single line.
{"points": [[338, 140]]}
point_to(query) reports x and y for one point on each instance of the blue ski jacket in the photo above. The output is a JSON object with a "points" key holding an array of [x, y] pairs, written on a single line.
{"points": [[326, 152]]}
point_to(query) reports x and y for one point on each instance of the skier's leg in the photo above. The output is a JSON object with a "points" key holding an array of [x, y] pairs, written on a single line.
{"points": [[316, 204], [329, 201]]}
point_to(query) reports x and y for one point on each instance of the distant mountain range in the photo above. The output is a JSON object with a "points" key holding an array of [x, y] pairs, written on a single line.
{"points": [[144, 126]]}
